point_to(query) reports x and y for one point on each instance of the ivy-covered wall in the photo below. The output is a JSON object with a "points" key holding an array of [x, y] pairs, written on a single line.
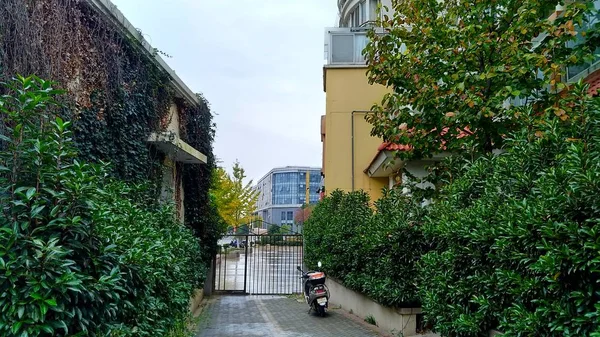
{"points": [[117, 93]]}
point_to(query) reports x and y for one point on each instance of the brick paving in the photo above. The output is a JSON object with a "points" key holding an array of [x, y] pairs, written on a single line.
{"points": [[273, 316]]}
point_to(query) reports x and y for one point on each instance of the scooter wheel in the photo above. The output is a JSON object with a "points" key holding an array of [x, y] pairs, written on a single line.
{"points": [[320, 311]]}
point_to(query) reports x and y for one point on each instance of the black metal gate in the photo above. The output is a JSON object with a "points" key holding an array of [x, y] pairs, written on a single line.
{"points": [[258, 264]]}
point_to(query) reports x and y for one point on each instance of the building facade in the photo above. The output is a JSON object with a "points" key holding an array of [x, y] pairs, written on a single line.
{"points": [[132, 109], [352, 158], [283, 191], [348, 147]]}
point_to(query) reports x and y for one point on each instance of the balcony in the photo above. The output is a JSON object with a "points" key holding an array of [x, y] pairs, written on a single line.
{"points": [[574, 73], [344, 46]]}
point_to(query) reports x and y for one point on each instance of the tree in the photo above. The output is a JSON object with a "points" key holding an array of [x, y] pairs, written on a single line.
{"points": [[454, 65], [235, 200], [285, 229], [274, 229], [303, 214], [255, 221]]}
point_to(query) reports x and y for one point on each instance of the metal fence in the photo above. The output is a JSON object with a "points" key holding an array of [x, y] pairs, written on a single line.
{"points": [[259, 264]]}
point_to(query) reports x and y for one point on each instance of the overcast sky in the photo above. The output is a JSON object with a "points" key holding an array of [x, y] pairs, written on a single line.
{"points": [[258, 62]]}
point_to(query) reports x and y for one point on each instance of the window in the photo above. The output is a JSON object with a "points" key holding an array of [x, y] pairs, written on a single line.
{"points": [[283, 216], [358, 14], [594, 19], [285, 188], [373, 10], [290, 216]]}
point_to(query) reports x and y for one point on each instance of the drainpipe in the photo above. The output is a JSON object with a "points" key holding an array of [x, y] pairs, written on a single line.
{"points": [[352, 135]]}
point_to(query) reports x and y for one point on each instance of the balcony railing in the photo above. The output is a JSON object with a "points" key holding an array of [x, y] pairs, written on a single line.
{"points": [[344, 46], [574, 73]]}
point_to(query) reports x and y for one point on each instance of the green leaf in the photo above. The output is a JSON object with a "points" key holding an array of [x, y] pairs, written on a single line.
{"points": [[30, 193], [16, 327], [36, 211]]}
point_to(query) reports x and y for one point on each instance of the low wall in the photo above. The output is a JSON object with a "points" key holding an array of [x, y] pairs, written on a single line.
{"points": [[196, 300], [395, 320]]}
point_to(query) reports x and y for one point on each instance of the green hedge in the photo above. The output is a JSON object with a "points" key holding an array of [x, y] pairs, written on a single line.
{"points": [[511, 242], [368, 251], [82, 254], [517, 237]]}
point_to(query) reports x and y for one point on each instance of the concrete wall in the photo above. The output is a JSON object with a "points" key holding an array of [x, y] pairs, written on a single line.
{"points": [[347, 90], [391, 319], [172, 185]]}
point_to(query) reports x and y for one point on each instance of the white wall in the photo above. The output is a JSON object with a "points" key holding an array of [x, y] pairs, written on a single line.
{"points": [[390, 319]]}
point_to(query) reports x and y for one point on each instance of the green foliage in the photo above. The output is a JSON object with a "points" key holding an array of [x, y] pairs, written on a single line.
{"points": [[273, 229], [117, 95], [81, 253], [510, 241], [517, 236], [370, 319], [370, 252], [453, 65], [236, 200], [164, 256]]}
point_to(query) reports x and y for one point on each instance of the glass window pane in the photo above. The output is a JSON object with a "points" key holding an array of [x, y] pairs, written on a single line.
{"points": [[342, 48]]}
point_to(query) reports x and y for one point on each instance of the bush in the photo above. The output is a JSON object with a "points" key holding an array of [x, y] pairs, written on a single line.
{"points": [[510, 242], [517, 236], [371, 252], [80, 253]]}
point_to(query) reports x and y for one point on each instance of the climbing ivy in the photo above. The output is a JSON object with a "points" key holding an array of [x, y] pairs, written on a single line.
{"points": [[116, 94]]}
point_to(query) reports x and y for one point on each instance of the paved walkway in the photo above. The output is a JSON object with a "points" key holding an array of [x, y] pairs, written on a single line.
{"points": [[273, 316]]}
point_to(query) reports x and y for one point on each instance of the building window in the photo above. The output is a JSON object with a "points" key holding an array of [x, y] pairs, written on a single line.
{"points": [[358, 15], [283, 216], [373, 10], [290, 216]]}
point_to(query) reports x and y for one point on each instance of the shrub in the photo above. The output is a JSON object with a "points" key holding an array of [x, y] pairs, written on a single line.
{"points": [[371, 252], [510, 242], [80, 253], [517, 236]]}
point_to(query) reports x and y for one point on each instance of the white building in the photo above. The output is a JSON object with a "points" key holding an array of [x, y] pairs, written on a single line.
{"points": [[283, 191]]}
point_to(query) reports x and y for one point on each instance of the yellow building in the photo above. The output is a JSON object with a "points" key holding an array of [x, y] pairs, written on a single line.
{"points": [[352, 158], [348, 147]]}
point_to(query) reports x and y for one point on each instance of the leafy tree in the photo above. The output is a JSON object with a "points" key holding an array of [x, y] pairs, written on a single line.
{"points": [[517, 235], [274, 229], [303, 214], [235, 200], [256, 221], [454, 65], [243, 229], [285, 229]]}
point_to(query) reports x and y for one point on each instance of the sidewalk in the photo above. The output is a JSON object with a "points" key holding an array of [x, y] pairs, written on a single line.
{"points": [[274, 316]]}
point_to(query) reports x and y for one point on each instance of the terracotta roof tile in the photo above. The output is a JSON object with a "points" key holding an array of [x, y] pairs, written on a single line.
{"points": [[389, 146], [594, 80]]}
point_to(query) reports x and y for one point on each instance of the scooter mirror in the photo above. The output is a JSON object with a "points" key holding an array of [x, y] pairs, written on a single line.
{"points": [[319, 264], [298, 267]]}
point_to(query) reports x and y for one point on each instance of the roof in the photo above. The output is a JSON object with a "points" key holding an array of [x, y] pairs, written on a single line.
{"points": [[594, 80], [389, 146], [392, 146]]}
